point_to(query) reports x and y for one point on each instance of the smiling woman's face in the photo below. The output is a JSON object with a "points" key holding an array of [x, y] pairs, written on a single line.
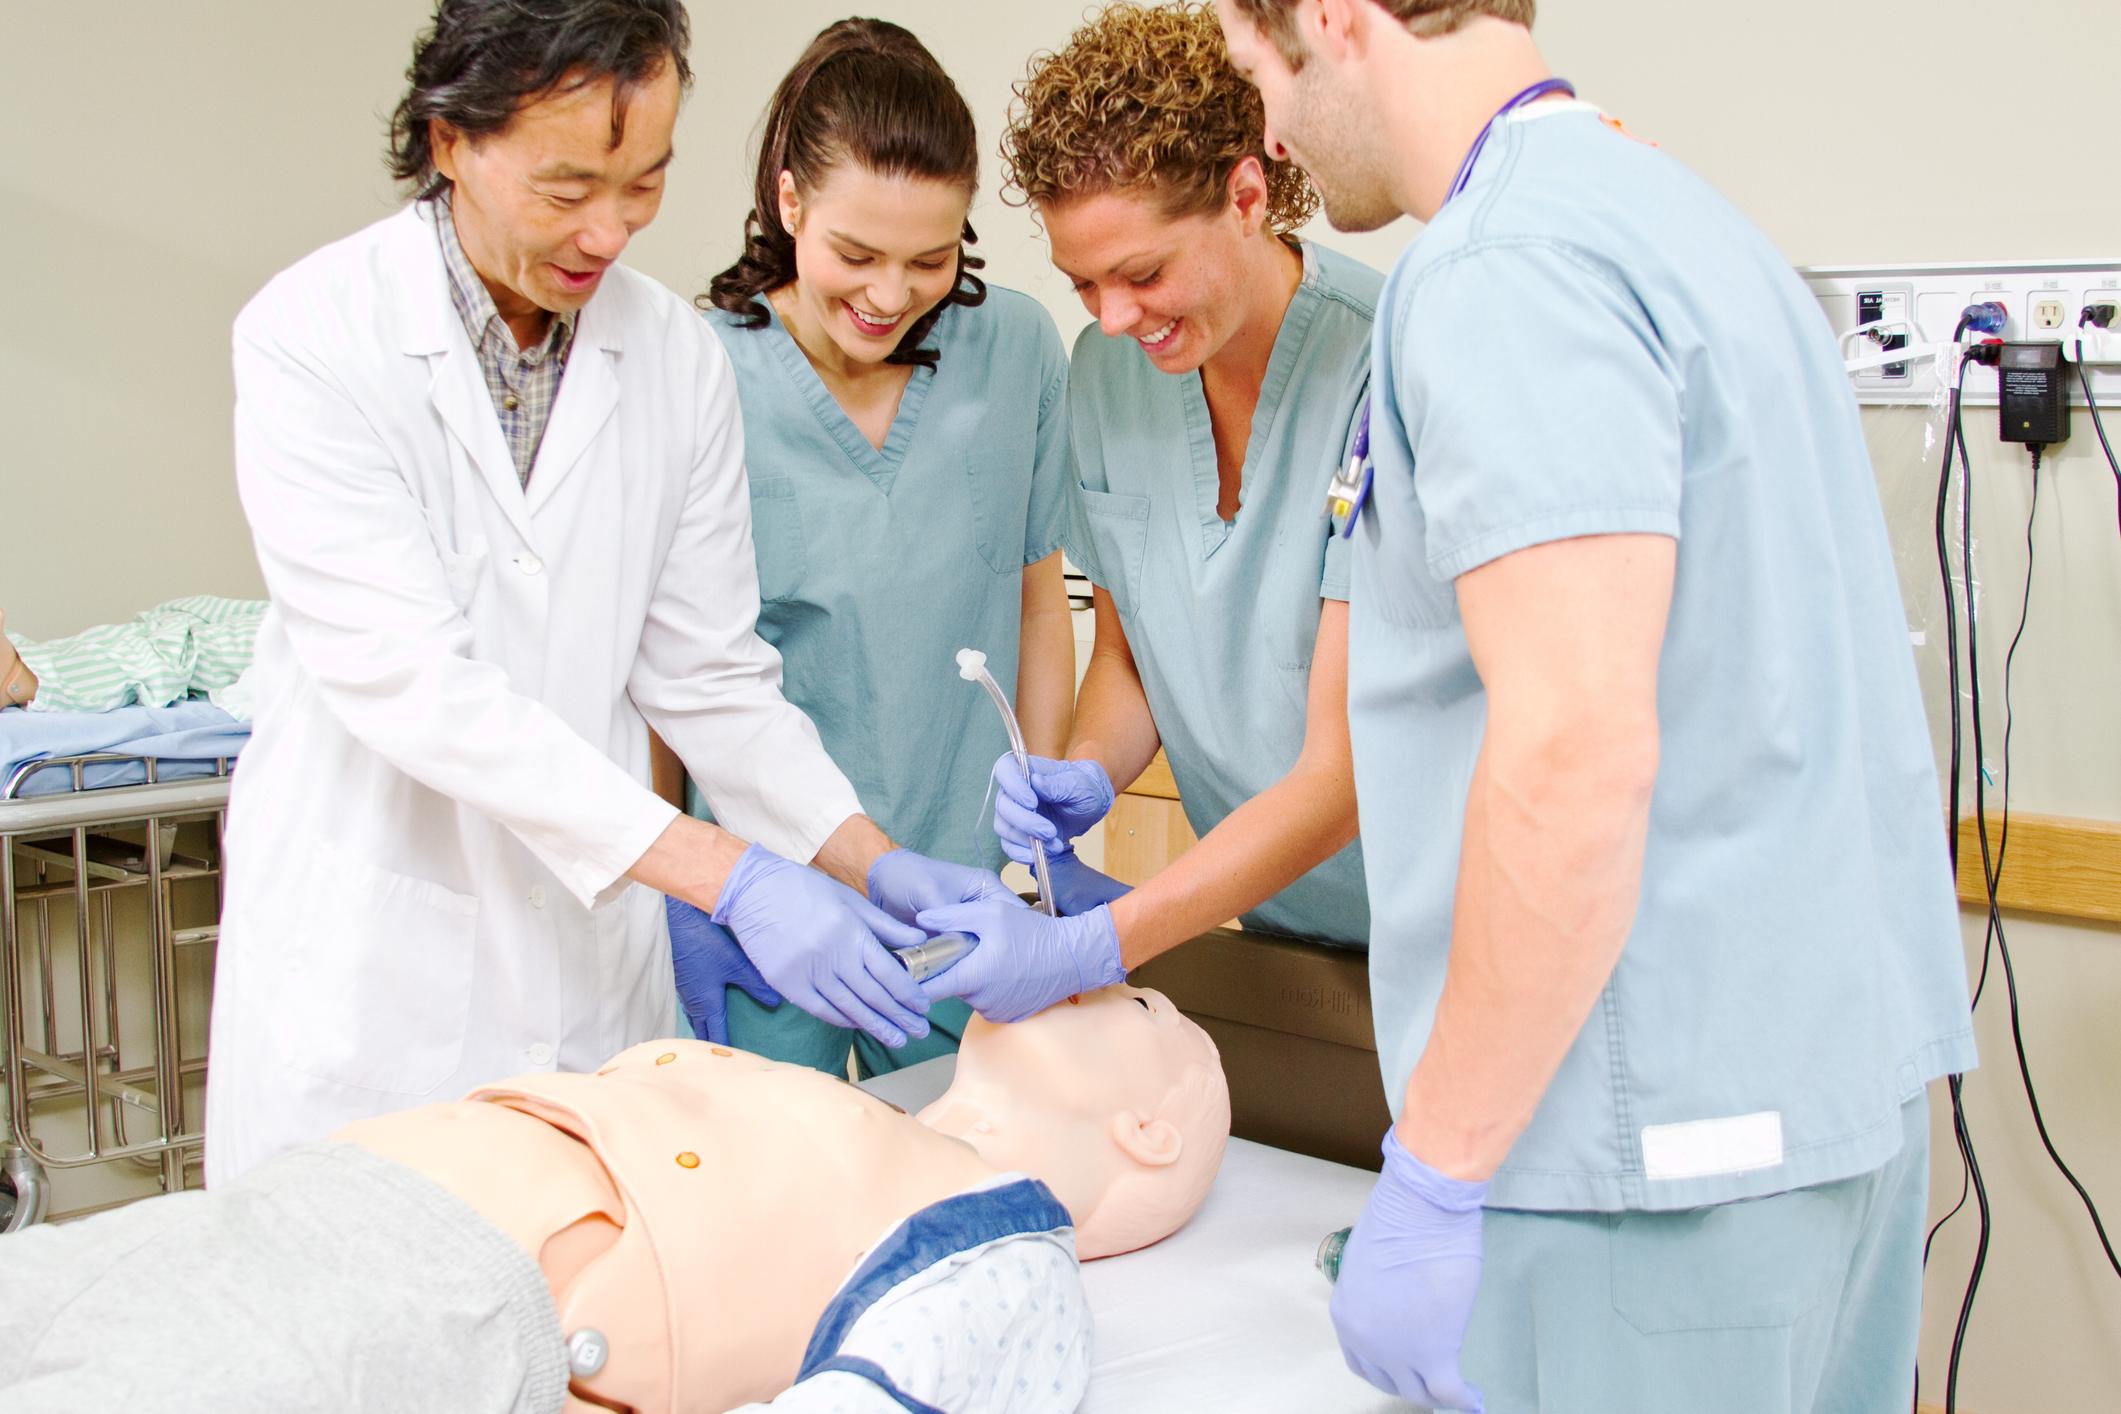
{"points": [[872, 255], [1174, 284]]}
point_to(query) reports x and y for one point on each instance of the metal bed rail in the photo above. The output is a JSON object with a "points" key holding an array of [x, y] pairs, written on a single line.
{"points": [[92, 846]]}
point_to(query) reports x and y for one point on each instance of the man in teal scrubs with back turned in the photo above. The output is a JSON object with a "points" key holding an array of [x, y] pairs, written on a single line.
{"points": [[1664, 948]]}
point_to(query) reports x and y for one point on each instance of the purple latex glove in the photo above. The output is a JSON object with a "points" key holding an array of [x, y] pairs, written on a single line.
{"points": [[1407, 1281], [1025, 961], [1060, 801], [903, 883], [706, 962], [823, 946], [1077, 888]]}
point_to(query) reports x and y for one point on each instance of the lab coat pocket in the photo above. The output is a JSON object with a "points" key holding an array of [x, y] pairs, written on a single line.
{"points": [[1114, 527], [463, 570], [375, 978], [777, 538], [1763, 1262]]}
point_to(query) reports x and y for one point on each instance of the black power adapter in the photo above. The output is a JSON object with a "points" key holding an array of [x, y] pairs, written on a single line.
{"points": [[2033, 380]]}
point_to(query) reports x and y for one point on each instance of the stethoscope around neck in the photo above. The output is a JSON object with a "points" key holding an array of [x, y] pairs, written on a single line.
{"points": [[1349, 490]]}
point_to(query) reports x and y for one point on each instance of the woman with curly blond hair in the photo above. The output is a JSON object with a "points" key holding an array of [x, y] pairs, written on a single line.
{"points": [[1208, 410]]}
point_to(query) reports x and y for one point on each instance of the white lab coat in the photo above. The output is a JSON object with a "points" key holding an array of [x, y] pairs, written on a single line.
{"points": [[429, 829]]}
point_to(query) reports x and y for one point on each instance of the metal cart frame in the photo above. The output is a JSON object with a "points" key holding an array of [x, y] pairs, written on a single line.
{"points": [[75, 844]]}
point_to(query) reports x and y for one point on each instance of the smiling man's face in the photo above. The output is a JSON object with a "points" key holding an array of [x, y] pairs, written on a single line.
{"points": [[545, 205]]}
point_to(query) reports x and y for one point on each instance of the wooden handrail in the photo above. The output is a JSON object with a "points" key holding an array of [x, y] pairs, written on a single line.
{"points": [[2051, 864]]}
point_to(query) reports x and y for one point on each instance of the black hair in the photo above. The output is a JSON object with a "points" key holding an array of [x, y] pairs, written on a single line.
{"points": [[867, 92], [482, 59]]}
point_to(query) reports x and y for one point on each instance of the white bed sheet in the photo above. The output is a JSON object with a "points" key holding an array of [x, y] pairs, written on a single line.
{"points": [[1230, 1313]]}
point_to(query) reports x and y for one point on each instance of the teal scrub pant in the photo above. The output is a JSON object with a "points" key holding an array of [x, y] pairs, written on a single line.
{"points": [[1801, 1303], [788, 1033]]}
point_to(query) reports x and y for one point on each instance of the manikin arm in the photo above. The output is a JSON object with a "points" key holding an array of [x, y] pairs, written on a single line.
{"points": [[1022, 1348]]}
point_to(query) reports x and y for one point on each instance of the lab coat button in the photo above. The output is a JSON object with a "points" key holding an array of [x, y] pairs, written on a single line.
{"points": [[540, 1054], [529, 563], [537, 895]]}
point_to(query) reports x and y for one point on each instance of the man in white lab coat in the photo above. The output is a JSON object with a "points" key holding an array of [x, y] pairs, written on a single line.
{"points": [[496, 485]]}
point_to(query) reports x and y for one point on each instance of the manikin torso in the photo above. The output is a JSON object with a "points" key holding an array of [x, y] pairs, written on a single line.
{"points": [[804, 1174]]}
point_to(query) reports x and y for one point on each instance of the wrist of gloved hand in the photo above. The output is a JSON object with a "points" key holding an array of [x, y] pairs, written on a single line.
{"points": [[1408, 1278], [1025, 961], [1054, 803], [1077, 888], [903, 883], [705, 961], [823, 946]]}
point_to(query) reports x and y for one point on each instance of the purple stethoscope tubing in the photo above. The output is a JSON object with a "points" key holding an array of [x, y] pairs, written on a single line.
{"points": [[1359, 454]]}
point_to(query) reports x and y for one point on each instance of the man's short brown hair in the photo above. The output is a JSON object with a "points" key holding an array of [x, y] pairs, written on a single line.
{"points": [[1424, 18]]}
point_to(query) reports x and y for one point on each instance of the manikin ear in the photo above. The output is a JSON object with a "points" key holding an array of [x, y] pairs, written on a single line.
{"points": [[791, 206], [1152, 1143], [1248, 195]]}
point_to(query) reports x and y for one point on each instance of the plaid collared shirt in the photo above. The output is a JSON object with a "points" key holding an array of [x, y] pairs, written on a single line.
{"points": [[524, 385]]}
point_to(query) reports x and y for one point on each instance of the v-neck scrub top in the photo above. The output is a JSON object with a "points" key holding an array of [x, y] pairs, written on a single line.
{"points": [[876, 565], [1222, 616]]}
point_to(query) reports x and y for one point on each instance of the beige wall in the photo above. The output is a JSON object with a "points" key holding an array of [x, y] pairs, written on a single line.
{"points": [[165, 159]]}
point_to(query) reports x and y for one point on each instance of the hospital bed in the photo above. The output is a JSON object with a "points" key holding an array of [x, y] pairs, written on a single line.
{"points": [[1230, 1313], [93, 1060]]}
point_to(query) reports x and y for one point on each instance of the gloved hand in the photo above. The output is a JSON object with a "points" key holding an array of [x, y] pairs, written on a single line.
{"points": [[1025, 961], [706, 962], [1060, 801], [903, 883], [822, 946], [1407, 1280], [1077, 888]]}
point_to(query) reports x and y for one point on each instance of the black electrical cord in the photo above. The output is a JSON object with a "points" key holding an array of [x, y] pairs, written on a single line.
{"points": [[1995, 938], [1970, 1165], [2099, 426]]}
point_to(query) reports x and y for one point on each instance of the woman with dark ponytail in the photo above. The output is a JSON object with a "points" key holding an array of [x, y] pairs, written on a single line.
{"points": [[906, 438]]}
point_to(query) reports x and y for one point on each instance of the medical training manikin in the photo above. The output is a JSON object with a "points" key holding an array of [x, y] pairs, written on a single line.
{"points": [[715, 1229]]}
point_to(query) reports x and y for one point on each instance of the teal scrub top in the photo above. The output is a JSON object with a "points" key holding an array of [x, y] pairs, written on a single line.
{"points": [[1591, 341], [1222, 617], [877, 565]]}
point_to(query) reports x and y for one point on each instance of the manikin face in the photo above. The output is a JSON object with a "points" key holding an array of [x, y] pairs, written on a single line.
{"points": [[872, 255], [1317, 119], [1173, 284], [1116, 1102], [544, 206]]}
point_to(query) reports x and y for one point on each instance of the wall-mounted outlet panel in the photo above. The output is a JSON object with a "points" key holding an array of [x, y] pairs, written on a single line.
{"points": [[2043, 300]]}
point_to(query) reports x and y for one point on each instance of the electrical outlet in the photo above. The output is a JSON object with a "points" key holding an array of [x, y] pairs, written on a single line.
{"points": [[2091, 344], [2050, 312]]}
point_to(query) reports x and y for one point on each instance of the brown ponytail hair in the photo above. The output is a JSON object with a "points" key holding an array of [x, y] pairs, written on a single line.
{"points": [[867, 92]]}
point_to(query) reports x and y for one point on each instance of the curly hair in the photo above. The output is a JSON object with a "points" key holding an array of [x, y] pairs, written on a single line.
{"points": [[1143, 96], [865, 92]]}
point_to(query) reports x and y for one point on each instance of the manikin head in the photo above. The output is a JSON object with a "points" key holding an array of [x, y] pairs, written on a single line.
{"points": [[1143, 153], [1115, 1102]]}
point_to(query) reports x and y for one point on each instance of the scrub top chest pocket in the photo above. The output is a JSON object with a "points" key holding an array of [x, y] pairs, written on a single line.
{"points": [[777, 537], [998, 477], [1113, 529]]}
